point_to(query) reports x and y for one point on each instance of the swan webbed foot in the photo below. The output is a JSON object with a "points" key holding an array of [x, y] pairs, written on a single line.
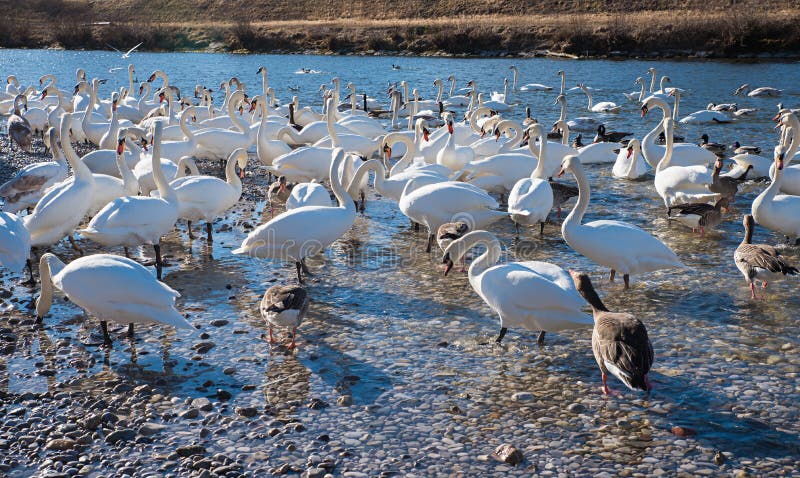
{"points": [[540, 338]]}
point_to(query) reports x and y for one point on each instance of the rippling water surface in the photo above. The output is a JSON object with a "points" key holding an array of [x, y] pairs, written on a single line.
{"points": [[410, 346]]}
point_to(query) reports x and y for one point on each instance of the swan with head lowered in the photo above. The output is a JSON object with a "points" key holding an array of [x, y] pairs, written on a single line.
{"points": [[392, 187], [29, 185], [449, 201], [63, 206], [534, 295], [110, 288], [305, 231], [134, 220], [618, 245]]}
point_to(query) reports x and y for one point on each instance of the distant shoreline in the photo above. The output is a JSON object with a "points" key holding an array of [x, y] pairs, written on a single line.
{"points": [[758, 35]]}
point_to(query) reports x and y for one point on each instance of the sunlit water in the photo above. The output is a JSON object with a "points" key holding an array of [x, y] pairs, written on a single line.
{"points": [[410, 345]]}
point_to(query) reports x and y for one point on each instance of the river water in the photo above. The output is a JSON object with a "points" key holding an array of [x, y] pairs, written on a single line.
{"points": [[409, 345]]}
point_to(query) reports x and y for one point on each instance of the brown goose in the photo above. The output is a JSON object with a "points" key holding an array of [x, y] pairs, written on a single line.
{"points": [[279, 192], [727, 186], [19, 129], [619, 341], [759, 261], [562, 193], [699, 215], [284, 306]]}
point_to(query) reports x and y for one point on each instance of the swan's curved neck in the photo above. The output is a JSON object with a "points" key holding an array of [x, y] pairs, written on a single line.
{"points": [[575, 216], [264, 82], [516, 74], [330, 123], [485, 260], [588, 95], [668, 138], [563, 83], [345, 201], [376, 167], [80, 169], [663, 83], [677, 105], [649, 140], [230, 172], [164, 189], [441, 92], [405, 161], [653, 81], [128, 179], [794, 130], [235, 98], [634, 158], [564, 127], [452, 85], [641, 93], [184, 127], [563, 115], [538, 173], [49, 265]]}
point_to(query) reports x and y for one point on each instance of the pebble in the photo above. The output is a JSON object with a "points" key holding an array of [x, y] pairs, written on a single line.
{"points": [[60, 444], [248, 412], [190, 450], [203, 404], [149, 429], [124, 434], [508, 454]]}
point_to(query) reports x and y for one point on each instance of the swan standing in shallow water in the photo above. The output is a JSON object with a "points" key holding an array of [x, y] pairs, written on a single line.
{"points": [[630, 163], [778, 212], [63, 206], [305, 231], [619, 245], [15, 244], [134, 220], [28, 186], [208, 197], [533, 295], [110, 288], [531, 199]]}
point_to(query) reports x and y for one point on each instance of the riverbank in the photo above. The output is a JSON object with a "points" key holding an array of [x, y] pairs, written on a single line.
{"points": [[767, 34]]}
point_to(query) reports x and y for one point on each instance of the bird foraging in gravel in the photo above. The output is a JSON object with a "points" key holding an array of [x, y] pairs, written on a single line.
{"points": [[284, 306]]}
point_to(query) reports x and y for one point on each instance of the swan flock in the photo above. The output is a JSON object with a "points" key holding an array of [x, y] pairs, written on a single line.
{"points": [[462, 168]]}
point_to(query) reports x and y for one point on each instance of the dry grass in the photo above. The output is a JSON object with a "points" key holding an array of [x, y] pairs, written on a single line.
{"points": [[451, 26]]}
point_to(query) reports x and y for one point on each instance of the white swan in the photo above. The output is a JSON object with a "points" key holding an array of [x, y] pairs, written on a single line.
{"points": [[636, 96], [110, 288], [775, 211], [529, 86], [308, 194], [630, 163], [594, 153], [305, 231], [601, 107], [133, 220], [681, 184], [619, 245], [531, 199], [175, 150], [451, 156], [106, 188], [15, 242], [583, 124], [63, 206], [683, 154], [146, 178], [219, 143], [533, 295], [109, 138], [267, 149], [29, 184], [104, 161], [350, 142], [790, 178], [208, 197], [449, 201]]}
